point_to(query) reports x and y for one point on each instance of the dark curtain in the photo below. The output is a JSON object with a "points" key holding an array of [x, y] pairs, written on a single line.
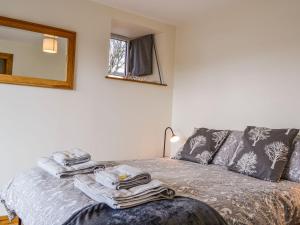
{"points": [[140, 56]]}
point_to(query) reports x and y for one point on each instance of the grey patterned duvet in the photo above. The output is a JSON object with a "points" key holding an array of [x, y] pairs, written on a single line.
{"points": [[239, 199]]}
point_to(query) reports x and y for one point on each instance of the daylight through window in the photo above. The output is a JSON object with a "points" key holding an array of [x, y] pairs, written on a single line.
{"points": [[118, 56]]}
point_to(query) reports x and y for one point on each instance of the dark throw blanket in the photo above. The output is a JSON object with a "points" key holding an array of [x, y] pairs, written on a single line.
{"points": [[179, 211]]}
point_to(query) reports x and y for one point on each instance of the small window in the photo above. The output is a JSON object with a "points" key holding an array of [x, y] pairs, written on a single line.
{"points": [[132, 59], [118, 55]]}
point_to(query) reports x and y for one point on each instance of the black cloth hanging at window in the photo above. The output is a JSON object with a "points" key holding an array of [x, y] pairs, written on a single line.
{"points": [[140, 56]]}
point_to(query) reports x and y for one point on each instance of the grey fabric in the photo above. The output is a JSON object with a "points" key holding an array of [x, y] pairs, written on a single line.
{"points": [[40, 199], [264, 153], [240, 199], [121, 199], [225, 154], [140, 62], [203, 144], [122, 177], [292, 172], [59, 171], [184, 211], [71, 157]]}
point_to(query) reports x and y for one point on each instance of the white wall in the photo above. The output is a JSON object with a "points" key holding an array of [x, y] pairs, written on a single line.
{"points": [[30, 61], [239, 66], [110, 119]]}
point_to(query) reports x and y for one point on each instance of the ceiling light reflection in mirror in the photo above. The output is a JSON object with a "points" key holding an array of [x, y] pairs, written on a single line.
{"points": [[34, 54]]}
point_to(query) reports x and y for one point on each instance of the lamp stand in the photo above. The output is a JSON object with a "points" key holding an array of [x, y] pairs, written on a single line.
{"points": [[168, 128]]}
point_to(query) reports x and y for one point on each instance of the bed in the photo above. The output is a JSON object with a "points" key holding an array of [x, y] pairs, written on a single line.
{"points": [[238, 198]]}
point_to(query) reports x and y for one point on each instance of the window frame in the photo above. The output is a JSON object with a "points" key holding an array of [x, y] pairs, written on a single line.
{"points": [[127, 40], [126, 77]]}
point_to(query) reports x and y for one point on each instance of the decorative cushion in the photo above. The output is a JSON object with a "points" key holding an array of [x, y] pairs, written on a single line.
{"points": [[238, 149], [264, 152], [292, 172], [203, 144], [225, 153]]}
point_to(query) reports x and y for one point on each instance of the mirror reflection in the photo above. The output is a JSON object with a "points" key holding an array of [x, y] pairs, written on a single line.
{"points": [[31, 54]]}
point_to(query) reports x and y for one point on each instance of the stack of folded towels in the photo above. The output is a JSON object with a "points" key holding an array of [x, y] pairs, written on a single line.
{"points": [[69, 163], [122, 187]]}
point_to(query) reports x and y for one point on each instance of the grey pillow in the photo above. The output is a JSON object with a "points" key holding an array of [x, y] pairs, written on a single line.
{"points": [[292, 172], [264, 152], [225, 153], [203, 144]]}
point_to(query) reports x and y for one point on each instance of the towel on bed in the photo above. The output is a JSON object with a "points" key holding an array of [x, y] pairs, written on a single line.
{"points": [[59, 171], [122, 177], [121, 199], [71, 157]]}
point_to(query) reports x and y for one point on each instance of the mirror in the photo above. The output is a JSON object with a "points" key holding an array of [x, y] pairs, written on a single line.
{"points": [[36, 55]]}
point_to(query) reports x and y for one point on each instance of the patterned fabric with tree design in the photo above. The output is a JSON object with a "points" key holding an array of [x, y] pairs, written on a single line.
{"points": [[226, 152], [263, 153], [292, 171], [247, 164], [203, 144]]}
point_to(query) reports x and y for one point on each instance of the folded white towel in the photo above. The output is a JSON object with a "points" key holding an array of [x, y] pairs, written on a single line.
{"points": [[120, 199], [71, 157], [122, 177], [59, 171]]}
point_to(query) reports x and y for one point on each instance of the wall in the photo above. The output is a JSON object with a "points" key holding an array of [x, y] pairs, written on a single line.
{"points": [[30, 61], [239, 65], [110, 119]]}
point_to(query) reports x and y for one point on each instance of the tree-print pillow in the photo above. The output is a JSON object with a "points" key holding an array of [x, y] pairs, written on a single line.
{"points": [[292, 170], [225, 153], [203, 144], [263, 153]]}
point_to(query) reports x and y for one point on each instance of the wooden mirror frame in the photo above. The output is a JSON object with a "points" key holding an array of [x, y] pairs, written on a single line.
{"points": [[40, 82]]}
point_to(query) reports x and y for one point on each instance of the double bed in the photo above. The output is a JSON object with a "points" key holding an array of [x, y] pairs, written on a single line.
{"points": [[240, 199]]}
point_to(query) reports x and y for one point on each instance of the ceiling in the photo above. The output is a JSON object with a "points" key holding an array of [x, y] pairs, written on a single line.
{"points": [[170, 11]]}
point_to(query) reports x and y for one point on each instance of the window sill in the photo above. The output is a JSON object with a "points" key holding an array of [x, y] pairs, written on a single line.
{"points": [[113, 77]]}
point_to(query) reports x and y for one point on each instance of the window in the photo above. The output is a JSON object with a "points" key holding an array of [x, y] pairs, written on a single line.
{"points": [[118, 55], [133, 59]]}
